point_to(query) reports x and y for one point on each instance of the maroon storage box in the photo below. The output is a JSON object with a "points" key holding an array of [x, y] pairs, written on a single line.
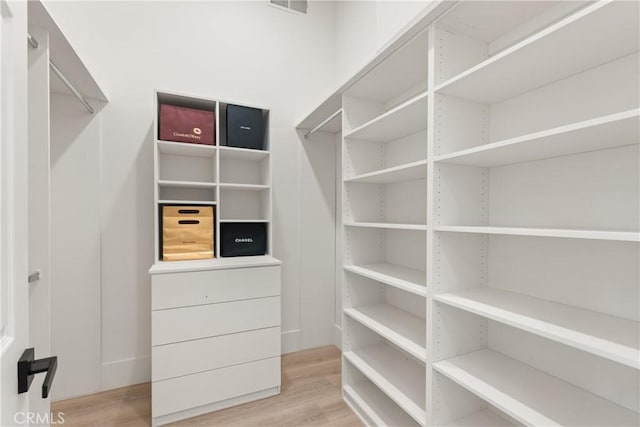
{"points": [[181, 124]]}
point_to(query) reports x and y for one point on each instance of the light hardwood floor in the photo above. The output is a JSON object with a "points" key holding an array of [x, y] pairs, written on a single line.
{"points": [[310, 396]]}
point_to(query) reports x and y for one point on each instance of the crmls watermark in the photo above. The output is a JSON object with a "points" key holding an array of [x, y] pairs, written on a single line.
{"points": [[30, 418]]}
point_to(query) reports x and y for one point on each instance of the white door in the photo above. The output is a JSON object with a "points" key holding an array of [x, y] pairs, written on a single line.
{"points": [[14, 309], [39, 219]]}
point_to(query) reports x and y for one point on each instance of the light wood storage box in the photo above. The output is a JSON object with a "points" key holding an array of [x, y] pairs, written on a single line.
{"points": [[215, 339]]}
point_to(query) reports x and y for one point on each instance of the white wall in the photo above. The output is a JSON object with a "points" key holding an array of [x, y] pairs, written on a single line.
{"points": [[356, 36], [75, 246], [247, 52], [317, 225]]}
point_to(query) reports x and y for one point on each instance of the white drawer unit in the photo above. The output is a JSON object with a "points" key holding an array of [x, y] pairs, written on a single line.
{"points": [[208, 287], [214, 389], [214, 353], [210, 320], [215, 323], [215, 335]]}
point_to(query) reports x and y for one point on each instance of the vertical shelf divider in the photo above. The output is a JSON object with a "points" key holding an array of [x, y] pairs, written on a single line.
{"points": [[431, 191], [156, 178], [218, 191]]}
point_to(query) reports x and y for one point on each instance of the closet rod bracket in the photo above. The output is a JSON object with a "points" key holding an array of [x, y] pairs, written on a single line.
{"points": [[32, 41]]}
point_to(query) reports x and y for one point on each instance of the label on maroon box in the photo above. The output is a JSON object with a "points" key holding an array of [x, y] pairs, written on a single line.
{"points": [[195, 135]]}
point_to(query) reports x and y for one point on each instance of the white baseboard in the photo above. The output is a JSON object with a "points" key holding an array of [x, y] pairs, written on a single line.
{"points": [[126, 372], [290, 341], [337, 336]]}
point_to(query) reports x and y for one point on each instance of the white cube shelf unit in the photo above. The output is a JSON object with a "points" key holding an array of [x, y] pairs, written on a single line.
{"points": [[491, 213], [237, 181], [215, 323]]}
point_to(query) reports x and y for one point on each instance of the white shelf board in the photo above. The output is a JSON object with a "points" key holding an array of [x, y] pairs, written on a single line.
{"points": [[402, 381], [186, 184], [164, 267], [401, 72], [606, 336], [185, 99], [186, 149], [406, 172], [244, 220], [375, 406], [388, 225], [399, 327], [483, 418], [237, 153], [568, 233], [601, 133], [572, 45], [186, 202], [529, 395], [405, 119], [243, 187], [407, 279]]}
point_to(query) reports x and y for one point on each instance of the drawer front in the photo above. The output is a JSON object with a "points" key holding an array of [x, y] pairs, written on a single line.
{"points": [[203, 321], [189, 357], [208, 287], [179, 394]]}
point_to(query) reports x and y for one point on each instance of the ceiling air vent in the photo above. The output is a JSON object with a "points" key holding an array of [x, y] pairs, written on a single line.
{"points": [[294, 5]]}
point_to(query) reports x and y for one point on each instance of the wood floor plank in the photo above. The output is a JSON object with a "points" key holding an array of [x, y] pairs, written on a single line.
{"points": [[311, 396]]}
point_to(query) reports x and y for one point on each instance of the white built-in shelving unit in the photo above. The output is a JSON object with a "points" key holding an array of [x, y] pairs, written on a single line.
{"points": [[215, 323], [385, 171], [491, 220], [236, 181]]}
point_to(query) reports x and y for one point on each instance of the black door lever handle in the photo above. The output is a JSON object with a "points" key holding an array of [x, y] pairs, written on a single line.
{"points": [[28, 367]]}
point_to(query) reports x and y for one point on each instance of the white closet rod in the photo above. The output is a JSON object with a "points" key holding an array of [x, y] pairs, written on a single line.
{"points": [[35, 44], [68, 84], [327, 120]]}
